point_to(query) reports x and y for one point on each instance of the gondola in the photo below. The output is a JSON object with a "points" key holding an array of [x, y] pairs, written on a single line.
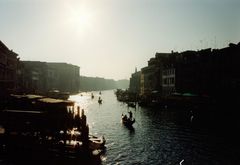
{"points": [[127, 121], [99, 100]]}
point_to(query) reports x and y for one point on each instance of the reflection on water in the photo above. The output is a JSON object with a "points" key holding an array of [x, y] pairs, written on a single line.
{"points": [[158, 136]]}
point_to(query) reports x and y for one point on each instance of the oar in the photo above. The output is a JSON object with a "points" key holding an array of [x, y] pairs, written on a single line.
{"points": [[137, 122]]}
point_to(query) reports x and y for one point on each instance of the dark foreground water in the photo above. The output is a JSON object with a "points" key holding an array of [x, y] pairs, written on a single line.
{"points": [[159, 136]]}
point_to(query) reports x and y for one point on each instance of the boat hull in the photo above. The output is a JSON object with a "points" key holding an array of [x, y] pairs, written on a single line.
{"points": [[128, 122]]}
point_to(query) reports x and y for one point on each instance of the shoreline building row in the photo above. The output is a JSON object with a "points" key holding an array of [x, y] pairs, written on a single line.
{"points": [[9, 62], [35, 77], [41, 77], [208, 72]]}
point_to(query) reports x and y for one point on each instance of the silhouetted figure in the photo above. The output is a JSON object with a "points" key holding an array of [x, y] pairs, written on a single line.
{"points": [[85, 136], [191, 116], [84, 130], [77, 147], [99, 100], [77, 119], [124, 117], [78, 110], [191, 119], [130, 114], [83, 119]]}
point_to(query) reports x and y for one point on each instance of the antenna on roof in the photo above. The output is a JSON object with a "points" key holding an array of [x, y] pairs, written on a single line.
{"points": [[215, 42]]}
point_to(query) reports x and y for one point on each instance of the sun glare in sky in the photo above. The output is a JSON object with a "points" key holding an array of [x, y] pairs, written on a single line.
{"points": [[109, 38], [79, 17]]}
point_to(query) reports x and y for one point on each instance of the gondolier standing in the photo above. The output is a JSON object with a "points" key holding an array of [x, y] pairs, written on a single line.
{"points": [[130, 114]]}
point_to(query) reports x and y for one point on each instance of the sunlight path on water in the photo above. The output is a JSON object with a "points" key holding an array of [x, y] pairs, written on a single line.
{"points": [[82, 99], [159, 136]]}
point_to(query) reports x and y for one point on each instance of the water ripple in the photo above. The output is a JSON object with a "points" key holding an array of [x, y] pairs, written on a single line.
{"points": [[159, 136]]}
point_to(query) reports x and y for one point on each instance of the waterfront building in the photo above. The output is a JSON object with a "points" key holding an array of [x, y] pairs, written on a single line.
{"points": [[142, 83], [64, 77], [168, 74], [147, 80], [225, 73], [8, 70], [209, 72], [168, 77], [135, 79], [41, 77], [165, 64], [96, 83], [34, 77], [151, 76], [206, 72], [186, 72]]}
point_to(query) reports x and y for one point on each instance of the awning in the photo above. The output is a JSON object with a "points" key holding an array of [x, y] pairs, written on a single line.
{"points": [[189, 94]]}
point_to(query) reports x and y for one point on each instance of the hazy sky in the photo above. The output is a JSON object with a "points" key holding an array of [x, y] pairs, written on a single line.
{"points": [[109, 38]]}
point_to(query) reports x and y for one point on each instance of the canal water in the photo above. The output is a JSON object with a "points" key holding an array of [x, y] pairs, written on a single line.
{"points": [[159, 136]]}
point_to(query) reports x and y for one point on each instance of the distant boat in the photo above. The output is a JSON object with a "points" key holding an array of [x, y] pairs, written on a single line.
{"points": [[99, 100], [56, 94], [131, 104]]}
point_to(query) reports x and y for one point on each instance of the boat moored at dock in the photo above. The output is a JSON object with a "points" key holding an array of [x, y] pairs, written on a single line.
{"points": [[47, 125]]}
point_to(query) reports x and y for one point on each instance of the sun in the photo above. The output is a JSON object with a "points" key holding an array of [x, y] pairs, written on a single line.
{"points": [[80, 17]]}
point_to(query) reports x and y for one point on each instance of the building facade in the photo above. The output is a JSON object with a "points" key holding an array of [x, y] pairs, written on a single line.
{"points": [[33, 77], [9, 62], [42, 77], [168, 77], [64, 77], [135, 82], [205, 72]]}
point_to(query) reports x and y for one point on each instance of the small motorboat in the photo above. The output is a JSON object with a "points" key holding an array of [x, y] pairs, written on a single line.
{"points": [[73, 145], [96, 143]]}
